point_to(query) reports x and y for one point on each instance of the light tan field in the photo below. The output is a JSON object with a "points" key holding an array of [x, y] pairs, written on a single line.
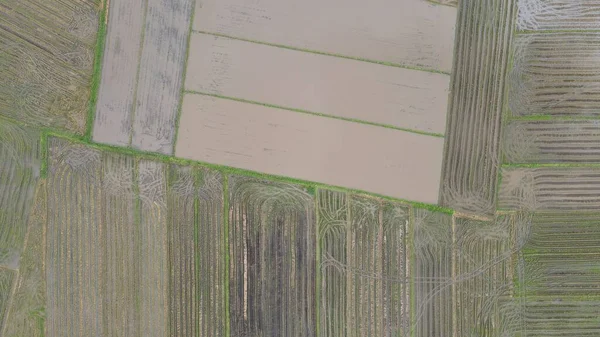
{"points": [[254, 137], [142, 73], [335, 86], [408, 32], [116, 95]]}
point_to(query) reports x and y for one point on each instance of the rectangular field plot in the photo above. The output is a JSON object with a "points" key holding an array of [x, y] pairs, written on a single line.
{"points": [[161, 74], [432, 274], [555, 74], [318, 83], [135, 247], [363, 266], [272, 259], [46, 57], [566, 318], [471, 151], [558, 15], [549, 188], [408, 32], [154, 258], [76, 269], [27, 310], [552, 141], [562, 256], [483, 256], [281, 142], [122, 240], [559, 275], [19, 172], [116, 95], [197, 294]]}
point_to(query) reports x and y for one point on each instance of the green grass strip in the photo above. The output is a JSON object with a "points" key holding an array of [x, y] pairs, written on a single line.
{"points": [[226, 247], [441, 4], [97, 72], [312, 51], [310, 185], [319, 114], [43, 156]]}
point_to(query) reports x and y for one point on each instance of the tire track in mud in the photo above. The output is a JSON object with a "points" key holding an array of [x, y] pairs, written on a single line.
{"points": [[363, 266], [551, 141]]}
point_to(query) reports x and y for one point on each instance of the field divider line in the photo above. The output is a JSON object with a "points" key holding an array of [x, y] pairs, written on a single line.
{"points": [[160, 157], [312, 51], [319, 114], [97, 71], [441, 4]]}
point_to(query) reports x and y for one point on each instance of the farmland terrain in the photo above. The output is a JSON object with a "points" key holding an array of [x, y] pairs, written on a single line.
{"points": [[227, 168]]}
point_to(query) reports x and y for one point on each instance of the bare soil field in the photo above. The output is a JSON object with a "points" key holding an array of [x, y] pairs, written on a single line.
{"points": [[116, 94], [471, 152], [134, 247], [551, 141], [154, 254], [555, 74], [27, 310], [121, 309], [19, 172], [197, 251], [46, 57], [540, 15], [433, 274], [183, 274], [308, 147], [272, 259], [363, 263], [318, 83], [413, 33], [75, 263], [211, 255], [483, 255], [161, 74], [549, 188]]}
